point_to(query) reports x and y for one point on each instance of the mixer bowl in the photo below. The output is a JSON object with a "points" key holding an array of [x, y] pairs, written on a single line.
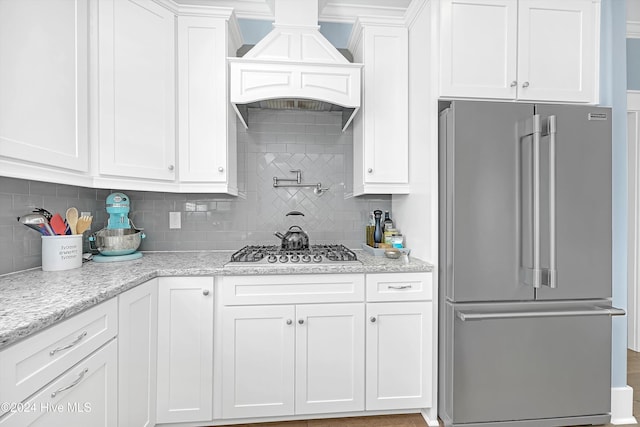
{"points": [[116, 241]]}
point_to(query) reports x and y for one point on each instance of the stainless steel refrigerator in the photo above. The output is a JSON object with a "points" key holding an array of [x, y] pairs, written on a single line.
{"points": [[525, 264]]}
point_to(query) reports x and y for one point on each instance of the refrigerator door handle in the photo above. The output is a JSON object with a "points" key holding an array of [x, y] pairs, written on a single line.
{"points": [[552, 275], [595, 311], [533, 275]]}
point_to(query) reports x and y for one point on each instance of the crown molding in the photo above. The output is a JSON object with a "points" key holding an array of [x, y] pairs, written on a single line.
{"points": [[344, 11]]}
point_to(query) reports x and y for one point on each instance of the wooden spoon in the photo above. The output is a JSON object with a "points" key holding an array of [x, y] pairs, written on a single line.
{"points": [[72, 219], [84, 223]]}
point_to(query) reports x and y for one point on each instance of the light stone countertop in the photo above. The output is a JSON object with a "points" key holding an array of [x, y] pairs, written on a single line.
{"points": [[33, 300]]}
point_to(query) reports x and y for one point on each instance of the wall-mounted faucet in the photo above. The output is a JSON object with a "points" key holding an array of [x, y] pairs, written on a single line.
{"points": [[297, 182]]}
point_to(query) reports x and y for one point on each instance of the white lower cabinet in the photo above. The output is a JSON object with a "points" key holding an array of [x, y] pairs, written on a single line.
{"points": [[137, 352], [399, 355], [258, 361], [289, 347], [285, 360], [185, 349], [401, 369], [286, 345], [329, 358], [85, 395]]}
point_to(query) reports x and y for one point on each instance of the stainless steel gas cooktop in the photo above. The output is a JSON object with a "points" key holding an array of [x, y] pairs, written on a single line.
{"points": [[275, 255]]}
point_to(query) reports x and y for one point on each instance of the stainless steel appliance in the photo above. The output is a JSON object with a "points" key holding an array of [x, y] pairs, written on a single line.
{"points": [[525, 264], [272, 255], [120, 239]]}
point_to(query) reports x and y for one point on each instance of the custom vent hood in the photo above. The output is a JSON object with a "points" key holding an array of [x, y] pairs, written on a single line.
{"points": [[295, 67]]}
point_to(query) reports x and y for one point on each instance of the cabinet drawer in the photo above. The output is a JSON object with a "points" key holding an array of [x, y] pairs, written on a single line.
{"points": [[85, 395], [399, 287], [293, 289], [30, 364]]}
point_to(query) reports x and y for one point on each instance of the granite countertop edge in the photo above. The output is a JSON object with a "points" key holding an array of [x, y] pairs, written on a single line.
{"points": [[33, 300]]}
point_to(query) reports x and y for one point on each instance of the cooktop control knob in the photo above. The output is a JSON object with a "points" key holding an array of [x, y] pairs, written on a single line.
{"points": [[317, 258], [295, 258], [283, 258], [306, 258], [272, 258]]}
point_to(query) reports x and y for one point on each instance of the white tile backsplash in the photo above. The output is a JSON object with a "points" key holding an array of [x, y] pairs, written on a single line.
{"points": [[275, 143]]}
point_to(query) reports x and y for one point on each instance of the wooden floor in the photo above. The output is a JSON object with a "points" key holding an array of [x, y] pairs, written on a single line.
{"points": [[415, 420]]}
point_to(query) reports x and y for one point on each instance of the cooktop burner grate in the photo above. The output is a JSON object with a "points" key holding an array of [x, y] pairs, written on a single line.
{"points": [[272, 254]]}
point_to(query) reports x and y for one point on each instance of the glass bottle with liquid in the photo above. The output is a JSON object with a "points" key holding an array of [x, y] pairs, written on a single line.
{"points": [[371, 225], [388, 223]]}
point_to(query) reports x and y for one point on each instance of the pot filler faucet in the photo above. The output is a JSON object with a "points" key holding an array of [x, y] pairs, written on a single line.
{"points": [[297, 182]]}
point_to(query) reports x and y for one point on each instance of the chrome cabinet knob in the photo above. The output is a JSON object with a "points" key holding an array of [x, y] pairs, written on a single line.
{"points": [[220, 169], [372, 319], [301, 321], [370, 170], [171, 167], [205, 292], [514, 83], [525, 84], [289, 321]]}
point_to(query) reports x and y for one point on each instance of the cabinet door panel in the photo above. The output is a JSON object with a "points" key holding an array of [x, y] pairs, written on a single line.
{"points": [[185, 349], [380, 133], [202, 99], [329, 358], [43, 82], [399, 355], [137, 352], [478, 54], [136, 89], [258, 358], [557, 50]]}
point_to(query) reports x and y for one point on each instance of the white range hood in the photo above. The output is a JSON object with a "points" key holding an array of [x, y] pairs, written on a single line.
{"points": [[295, 67]]}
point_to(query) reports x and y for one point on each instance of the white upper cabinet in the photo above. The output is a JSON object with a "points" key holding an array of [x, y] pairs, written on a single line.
{"points": [[380, 129], [136, 89], [533, 50], [478, 48], [43, 89], [206, 121], [557, 50]]}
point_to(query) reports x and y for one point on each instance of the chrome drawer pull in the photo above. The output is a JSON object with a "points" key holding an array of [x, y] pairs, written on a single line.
{"points": [[399, 286], [76, 341], [73, 384]]}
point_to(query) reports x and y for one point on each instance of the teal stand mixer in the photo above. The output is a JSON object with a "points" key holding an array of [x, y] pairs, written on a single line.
{"points": [[119, 240]]}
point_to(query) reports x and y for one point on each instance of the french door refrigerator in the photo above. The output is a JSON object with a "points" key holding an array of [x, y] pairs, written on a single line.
{"points": [[525, 264]]}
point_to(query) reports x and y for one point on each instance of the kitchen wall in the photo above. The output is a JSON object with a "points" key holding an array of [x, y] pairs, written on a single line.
{"points": [[254, 30], [633, 45], [633, 64], [19, 245], [613, 85], [276, 142]]}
